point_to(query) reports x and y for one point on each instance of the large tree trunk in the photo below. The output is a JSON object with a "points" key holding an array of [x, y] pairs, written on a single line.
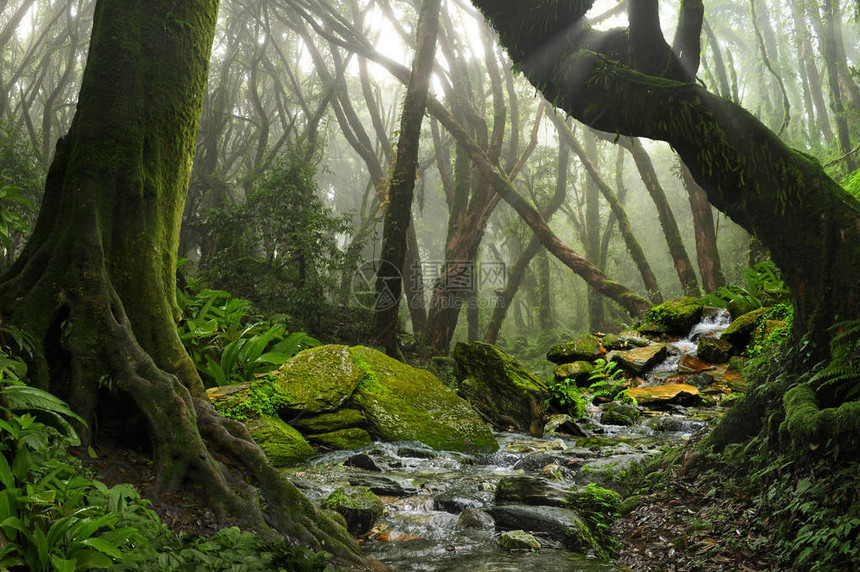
{"points": [[810, 224], [95, 285]]}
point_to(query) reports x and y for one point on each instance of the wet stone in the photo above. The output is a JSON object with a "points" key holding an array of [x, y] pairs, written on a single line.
{"points": [[385, 486], [475, 519], [363, 461], [536, 491], [458, 499], [518, 540]]}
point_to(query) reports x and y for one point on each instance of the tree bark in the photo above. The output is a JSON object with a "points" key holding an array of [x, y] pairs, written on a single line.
{"points": [[707, 254], [398, 213], [592, 229], [810, 224], [95, 285]]}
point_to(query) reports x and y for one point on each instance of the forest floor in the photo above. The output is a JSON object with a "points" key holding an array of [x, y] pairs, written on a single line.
{"points": [[693, 524]]}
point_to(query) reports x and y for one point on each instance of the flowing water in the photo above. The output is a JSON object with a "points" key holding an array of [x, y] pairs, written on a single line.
{"points": [[419, 530]]}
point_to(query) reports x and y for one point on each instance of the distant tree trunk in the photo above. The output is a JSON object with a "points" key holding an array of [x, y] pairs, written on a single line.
{"points": [[592, 231], [683, 266], [707, 254], [95, 285], [398, 213], [415, 280]]}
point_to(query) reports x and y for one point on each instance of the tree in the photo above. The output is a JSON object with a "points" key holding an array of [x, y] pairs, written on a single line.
{"points": [[398, 213], [95, 285], [630, 81]]}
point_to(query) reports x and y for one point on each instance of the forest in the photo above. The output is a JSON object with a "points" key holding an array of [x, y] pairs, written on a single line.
{"points": [[426, 285]]}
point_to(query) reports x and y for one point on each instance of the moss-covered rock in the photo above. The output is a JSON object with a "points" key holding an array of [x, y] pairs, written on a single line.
{"points": [[283, 445], [578, 371], [500, 388], [622, 414], [318, 380], [740, 330], [584, 348], [679, 393], [358, 505], [326, 422], [713, 350], [352, 438], [403, 403], [674, 317], [518, 540]]}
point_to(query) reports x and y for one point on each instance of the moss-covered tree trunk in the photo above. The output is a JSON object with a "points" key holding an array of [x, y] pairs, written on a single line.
{"points": [[808, 222], [95, 285]]}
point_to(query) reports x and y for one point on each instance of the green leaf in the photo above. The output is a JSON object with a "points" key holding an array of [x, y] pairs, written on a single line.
{"points": [[103, 546], [63, 565], [7, 478], [89, 559]]}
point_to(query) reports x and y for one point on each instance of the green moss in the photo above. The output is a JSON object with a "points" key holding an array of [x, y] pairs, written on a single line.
{"points": [[326, 422], [318, 379], [584, 348], [282, 444], [673, 317], [352, 438], [806, 426], [261, 398], [403, 403]]}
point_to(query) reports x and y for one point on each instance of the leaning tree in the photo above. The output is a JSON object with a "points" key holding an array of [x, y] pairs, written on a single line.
{"points": [[630, 81], [95, 285]]}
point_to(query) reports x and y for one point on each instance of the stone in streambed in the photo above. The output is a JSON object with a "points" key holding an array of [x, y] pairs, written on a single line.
{"points": [[518, 540], [385, 486], [342, 439], [738, 333], [556, 523], [578, 371], [622, 414], [476, 519], [714, 350], [678, 393], [344, 418], [674, 317], [639, 360]]}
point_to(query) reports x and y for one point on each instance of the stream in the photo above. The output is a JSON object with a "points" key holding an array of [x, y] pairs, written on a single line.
{"points": [[425, 492]]}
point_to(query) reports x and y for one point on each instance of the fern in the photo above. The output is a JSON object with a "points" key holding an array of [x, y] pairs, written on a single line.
{"points": [[841, 376]]}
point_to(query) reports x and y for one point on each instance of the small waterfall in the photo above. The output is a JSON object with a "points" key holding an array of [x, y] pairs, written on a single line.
{"points": [[711, 325]]}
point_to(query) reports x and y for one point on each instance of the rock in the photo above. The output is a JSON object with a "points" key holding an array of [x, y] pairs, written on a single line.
{"points": [[553, 472], [416, 452], [536, 491], [738, 333], [632, 339], [559, 524], [534, 462], [691, 364], [354, 438], [327, 422], [458, 499], [518, 540], [318, 379], [385, 486], [700, 381], [674, 317], [500, 388], [714, 350], [475, 519], [578, 371], [584, 348], [283, 445], [619, 414], [676, 424], [565, 424], [639, 360], [679, 393], [613, 342], [363, 461], [445, 369], [403, 403], [358, 505]]}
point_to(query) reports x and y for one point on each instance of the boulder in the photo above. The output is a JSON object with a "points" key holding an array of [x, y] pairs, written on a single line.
{"points": [[674, 317], [382, 485], [639, 360], [584, 348], [700, 380], [578, 371], [326, 422], [622, 414], [283, 445], [631, 339], [714, 350], [403, 403], [358, 505], [691, 364], [738, 333], [354, 438], [556, 523], [672, 393], [476, 519], [518, 540], [604, 472], [564, 423], [458, 499], [318, 379], [363, 461], [535, 491], [500, 388]]}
